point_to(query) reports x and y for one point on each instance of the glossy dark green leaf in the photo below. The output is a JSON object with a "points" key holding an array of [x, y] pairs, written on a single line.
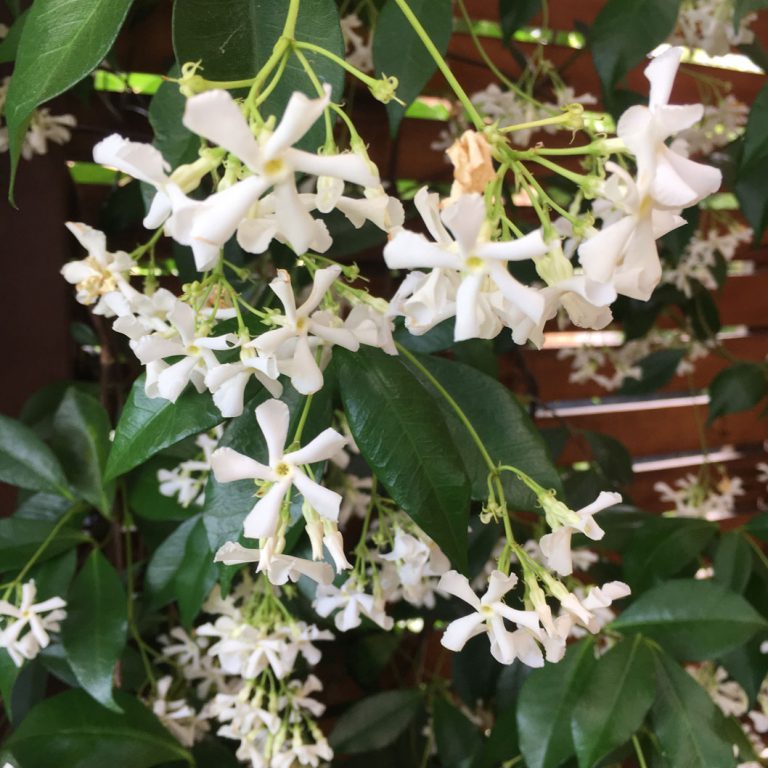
{"points": [[147, 425], [504, 426], [376, 721], [657, 370], [21, 538], [752, 177], [436, 340], [475, 671], [62, 41], [80, 732], [80, 438], [662, 547], [95, 630], [234, 38], [546, 705], [686, 721], [53, 577], [399, 52], [196, 574], [515, 14], [614, 701], [27, 462], [8, 674], [738, 388], [692, 619], [623, 33], [227, 504], [176, 143], [611, 456], [399, 428], [733, 561], [457, 739], [758, 526], [40, 407], [165, 563]]}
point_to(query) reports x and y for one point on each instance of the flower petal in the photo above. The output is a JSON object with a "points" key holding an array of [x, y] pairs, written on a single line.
{"points": [[347, 166], [455, 584], [273, 417], [324, 501], [324, 446], [299, 116], [261, 522], [229, 465], [458, 632], [215, 116], [407, 250], [139, 160]]}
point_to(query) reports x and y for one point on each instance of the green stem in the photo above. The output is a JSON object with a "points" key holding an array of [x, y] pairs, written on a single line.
{"points": [[576, 178], [556, 120], [37, 554], [279, 49], [329, 143], [461, 94], [264, 95], [639, 752], [303, 419], [354, 71]]}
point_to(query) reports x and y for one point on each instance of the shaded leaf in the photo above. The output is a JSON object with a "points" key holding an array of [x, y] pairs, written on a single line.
{"points": [[399, 428], [147, 425], [95, 630], [61, 42], [738, 388], [692, 619], [27, 462], [376, 721]]}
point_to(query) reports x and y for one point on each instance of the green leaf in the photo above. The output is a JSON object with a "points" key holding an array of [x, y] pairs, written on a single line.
{"points": [[623, 33], [147, 425], [20, 539], [515, 14], [437, 339], [614, 701], [686, 721], [53, 577], [82, 733], [457, 738], [692, 619], [234, 38], [165, 563], [399, 428], [611, 456], [227, 504], [95, 630], [733, 561], [27, 462], [81, 440], [758, 526], [10, 42], [748, 666], [8, 674], [144, 495], [657, 370], [399, 52], [504, 426], [752, 177], [546, 705], [375, 722], [177, 144], [196, 574], [662, 547], [738, 388], [62, 41]]}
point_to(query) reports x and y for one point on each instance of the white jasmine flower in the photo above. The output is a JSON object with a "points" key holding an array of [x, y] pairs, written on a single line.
{"points": [[301, 329], [671, 180], [358, 43], [480, 264], [196, 352], [215, 116], [177, 715], [729, 696], [556, 546], [101, 274], [279, 568], [27, 629], [353, 603], [283, 470], [489, 616], [227, 381], [371, 327]]}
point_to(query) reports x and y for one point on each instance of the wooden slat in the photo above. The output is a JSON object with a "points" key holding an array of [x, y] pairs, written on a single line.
{"points": [[552, 373]]}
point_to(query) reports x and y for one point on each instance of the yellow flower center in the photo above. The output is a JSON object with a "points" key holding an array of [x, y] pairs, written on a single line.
{"points": [[283, 469], [273, 167]]}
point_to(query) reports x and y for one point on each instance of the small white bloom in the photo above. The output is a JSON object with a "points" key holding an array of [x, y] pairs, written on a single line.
{"points": [[283, 470]]}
